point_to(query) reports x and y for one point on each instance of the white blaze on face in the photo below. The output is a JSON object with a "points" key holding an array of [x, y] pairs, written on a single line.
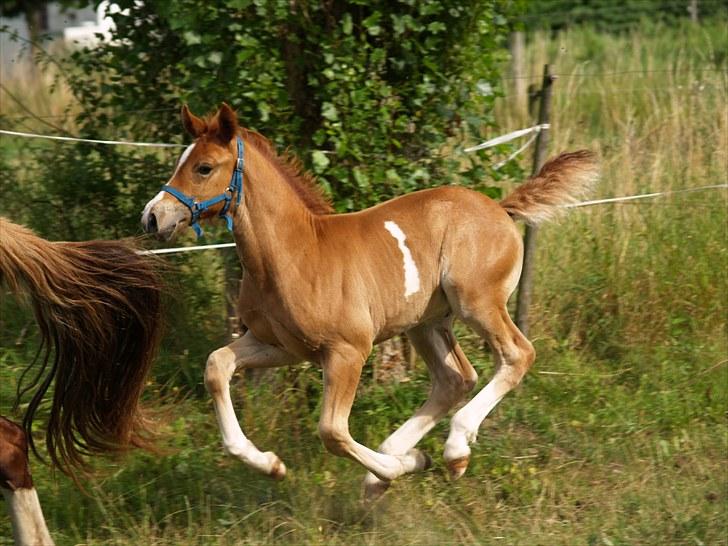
{"points": [[183, 158], [411, 274], [157, 198]]}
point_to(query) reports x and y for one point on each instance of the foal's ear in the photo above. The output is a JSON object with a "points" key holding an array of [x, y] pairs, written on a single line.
{"points": [[225, 124], [192, 124]]}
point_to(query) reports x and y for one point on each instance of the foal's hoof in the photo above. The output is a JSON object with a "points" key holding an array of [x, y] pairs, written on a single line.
{"points": [[457, 467], [277, 468]]}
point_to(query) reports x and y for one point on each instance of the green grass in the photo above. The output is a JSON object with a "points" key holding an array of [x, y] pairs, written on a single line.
{"points": [[618, 436], [583, 455]]}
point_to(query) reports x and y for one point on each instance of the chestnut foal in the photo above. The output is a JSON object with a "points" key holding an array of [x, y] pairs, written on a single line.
{"points": [[326, 287]]}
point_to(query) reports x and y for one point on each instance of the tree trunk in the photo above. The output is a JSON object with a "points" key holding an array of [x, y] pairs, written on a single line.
{"points": [[394, 360], [231, 268], [294, 57], [36, 19]]}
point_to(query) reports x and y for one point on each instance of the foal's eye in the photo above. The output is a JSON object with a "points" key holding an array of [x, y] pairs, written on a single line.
{"points": [[204, 170]]}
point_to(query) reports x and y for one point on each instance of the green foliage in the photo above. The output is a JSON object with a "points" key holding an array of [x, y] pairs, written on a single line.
{"points": [[612, 15], [634, 454], [368, 94], [375, 97]]}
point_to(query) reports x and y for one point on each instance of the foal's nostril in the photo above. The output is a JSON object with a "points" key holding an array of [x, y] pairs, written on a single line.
{"points": [[151, 226]]}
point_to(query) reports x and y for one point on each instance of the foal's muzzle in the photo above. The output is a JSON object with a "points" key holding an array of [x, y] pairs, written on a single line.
{"points": [[164, 219]]}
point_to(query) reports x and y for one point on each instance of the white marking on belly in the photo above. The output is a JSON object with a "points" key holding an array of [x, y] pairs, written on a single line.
{"points": [[411, 275], [148, 207]]}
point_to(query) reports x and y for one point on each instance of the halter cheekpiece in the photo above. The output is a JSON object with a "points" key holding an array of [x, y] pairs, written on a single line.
{"points": [[198, 207]]}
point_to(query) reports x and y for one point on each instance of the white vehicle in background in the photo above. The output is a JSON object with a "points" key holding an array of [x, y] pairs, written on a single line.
{"points": [[91, 33]]}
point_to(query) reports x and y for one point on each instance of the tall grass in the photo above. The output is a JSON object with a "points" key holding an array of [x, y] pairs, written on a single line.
{"points": [[617, 436], [655, 109], [35, 98]]}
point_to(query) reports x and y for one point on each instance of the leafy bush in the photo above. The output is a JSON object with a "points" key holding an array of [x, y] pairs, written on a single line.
{"points": [[366, 93]]}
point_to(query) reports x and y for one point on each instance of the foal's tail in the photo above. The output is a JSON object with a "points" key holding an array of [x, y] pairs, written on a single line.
{"points": [[98, 307], [561, 181]]}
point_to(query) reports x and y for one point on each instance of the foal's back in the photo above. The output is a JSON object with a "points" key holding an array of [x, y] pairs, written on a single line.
{"points": [[402, 262]]}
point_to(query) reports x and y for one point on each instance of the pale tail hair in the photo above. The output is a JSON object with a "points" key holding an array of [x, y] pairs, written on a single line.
{"points": [[562, 181]]}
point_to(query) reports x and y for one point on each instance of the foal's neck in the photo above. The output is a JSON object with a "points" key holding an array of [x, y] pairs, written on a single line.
{"points": [[272, 224]]}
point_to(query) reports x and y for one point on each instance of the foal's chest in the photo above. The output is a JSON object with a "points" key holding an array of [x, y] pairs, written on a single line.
{"points": [[260, 318]]}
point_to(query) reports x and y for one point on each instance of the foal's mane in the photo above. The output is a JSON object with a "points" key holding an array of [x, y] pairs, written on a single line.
{"points": [[292, 171]]}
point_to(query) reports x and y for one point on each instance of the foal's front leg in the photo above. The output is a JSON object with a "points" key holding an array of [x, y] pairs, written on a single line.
{"points": [[342, 370], [246, 352]]}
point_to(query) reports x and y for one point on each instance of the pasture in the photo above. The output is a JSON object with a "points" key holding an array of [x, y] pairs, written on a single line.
{"points": [[618, 435]]}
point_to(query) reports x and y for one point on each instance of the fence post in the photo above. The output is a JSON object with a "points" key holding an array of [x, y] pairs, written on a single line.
{"points": [[517, 46], [693, 10], [529, 239]]}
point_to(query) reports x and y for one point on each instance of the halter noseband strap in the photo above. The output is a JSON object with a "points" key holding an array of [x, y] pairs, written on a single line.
{"points": [[198, 207]]}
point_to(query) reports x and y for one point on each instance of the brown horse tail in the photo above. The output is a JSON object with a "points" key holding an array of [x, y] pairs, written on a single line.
{"points": [[561, 181], [98, 308]]}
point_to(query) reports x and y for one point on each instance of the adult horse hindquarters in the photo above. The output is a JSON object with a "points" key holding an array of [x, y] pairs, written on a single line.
{"points": [[98, 306], [325, 287]]}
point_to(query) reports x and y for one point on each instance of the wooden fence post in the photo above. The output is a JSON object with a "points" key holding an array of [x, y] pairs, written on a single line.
{"points": [[693, 10], [517, 46], [529, 239]]}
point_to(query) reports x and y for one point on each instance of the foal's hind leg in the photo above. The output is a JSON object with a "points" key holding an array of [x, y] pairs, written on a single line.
{"points": [[513, 355], [246, 352], [452, 378]]}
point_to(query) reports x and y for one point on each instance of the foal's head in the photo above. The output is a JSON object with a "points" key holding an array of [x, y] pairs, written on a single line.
{"points": [[203, 171]]}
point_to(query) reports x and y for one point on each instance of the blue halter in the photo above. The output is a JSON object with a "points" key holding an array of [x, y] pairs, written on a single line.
{"points": [[197, 208]]}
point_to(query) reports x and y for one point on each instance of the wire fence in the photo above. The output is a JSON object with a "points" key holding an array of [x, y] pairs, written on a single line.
{"points": [[93, 140], [626, 198], [487, 144]]}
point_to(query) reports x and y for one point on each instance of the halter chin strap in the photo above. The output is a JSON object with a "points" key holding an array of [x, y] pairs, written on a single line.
{"points": [[198, 207]]}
